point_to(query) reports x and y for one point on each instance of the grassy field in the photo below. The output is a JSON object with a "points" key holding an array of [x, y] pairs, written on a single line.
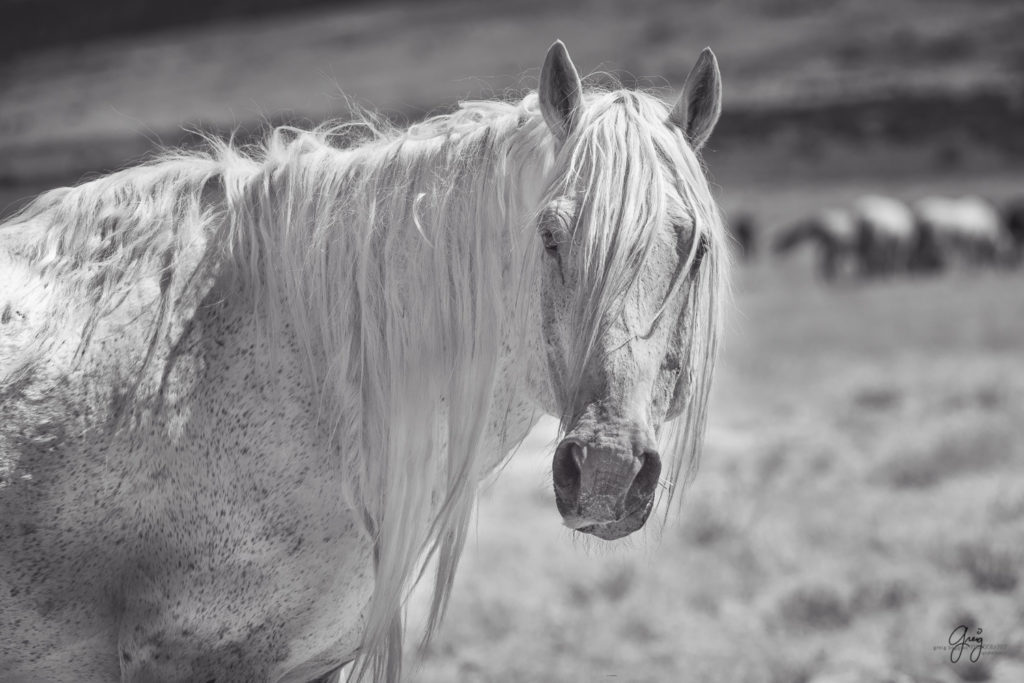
{"points": [[862, 494]]}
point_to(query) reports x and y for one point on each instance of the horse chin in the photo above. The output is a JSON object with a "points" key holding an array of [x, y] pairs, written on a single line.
{"points": [[611, 531]]}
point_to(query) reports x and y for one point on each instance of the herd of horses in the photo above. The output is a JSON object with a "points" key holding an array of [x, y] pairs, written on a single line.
{"points": [[879, 236]]}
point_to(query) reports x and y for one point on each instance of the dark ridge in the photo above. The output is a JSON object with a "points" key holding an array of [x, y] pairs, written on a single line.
{"points": [[36, 24], [986, 118], [936, 132]]}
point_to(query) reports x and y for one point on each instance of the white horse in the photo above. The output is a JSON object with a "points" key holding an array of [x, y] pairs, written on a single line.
{"points": [[888, 234], [968, 230], [834, 230], [244, 397]]}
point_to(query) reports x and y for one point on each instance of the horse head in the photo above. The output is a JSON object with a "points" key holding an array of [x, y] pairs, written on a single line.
{"points": [[632, 269]]}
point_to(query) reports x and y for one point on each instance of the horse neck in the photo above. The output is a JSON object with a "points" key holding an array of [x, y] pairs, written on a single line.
{"points": [[414, 258], [794, 236], [821, 233], [464, 226], [404, 267]]}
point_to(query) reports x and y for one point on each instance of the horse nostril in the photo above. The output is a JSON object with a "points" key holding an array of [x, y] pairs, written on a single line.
{"points": [[650, 471], [567, 465]]}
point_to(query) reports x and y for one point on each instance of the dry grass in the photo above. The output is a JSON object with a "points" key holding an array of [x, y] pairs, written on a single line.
{"points": [[947, 447], [991, 567]]}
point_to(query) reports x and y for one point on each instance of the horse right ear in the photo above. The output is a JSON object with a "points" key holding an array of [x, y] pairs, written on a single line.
{"points": [[560, 91]]}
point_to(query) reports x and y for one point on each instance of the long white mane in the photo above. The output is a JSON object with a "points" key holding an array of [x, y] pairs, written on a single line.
{"points": [[401, 260]]}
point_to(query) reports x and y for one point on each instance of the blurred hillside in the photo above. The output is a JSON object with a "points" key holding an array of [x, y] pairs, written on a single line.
{"points": [[810, 85], [29, 24], [813, 88]]}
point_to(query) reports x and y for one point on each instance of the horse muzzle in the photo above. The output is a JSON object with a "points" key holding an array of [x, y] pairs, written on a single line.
{"points": [[605, 491]]}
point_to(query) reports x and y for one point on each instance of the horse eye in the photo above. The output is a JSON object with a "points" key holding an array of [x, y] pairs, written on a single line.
{"points": [[550, 243]]}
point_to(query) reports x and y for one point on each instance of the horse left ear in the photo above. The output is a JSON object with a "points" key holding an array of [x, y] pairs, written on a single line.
{"points": [[697, 110], [560, 91]]}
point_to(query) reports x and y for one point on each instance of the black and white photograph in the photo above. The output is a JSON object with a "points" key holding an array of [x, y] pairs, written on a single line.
{"points": [[581, 341]]}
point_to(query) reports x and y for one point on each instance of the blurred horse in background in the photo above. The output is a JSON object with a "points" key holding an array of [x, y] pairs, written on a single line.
{"points": [[245, 397], [961, 231], [1013, 219], [887, 235], [835, 233], [744, 234]]}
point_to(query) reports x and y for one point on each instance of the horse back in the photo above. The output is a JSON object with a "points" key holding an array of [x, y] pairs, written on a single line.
{"points": [[24, 304]]}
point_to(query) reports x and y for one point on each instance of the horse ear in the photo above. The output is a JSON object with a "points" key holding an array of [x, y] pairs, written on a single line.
{"points": [[698, 108], [560, 92]]}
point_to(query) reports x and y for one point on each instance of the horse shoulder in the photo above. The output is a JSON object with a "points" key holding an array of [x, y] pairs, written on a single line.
{"points": [[225, 451]]}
